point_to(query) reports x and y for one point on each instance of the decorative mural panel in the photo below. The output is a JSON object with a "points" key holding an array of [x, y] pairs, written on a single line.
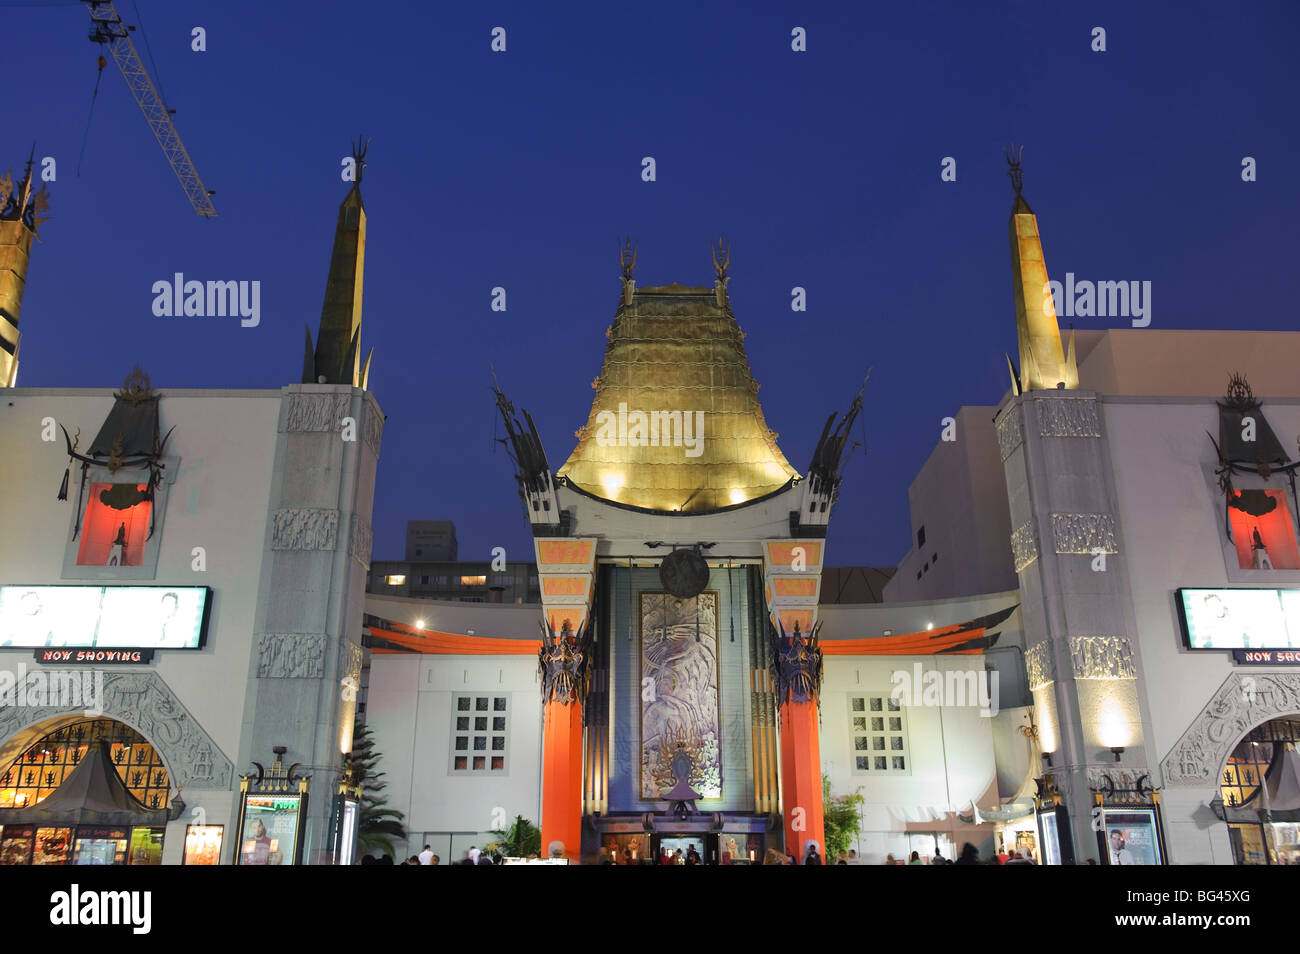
{"points": [[679, 651], [1068, 417]]}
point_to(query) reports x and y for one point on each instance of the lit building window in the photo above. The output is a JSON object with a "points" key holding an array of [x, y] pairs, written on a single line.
{"points": [[395, 579], [479, 738], [115, 525], [473, 580], [878, 734], [1263, 530]]}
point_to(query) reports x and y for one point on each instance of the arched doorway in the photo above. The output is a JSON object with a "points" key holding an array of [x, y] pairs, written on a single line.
{"points": [[92, 791], [1258, 795]]}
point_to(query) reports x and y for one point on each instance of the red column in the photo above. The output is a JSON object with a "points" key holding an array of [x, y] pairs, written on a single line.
{"points": [[562, 779], [801, 779]]}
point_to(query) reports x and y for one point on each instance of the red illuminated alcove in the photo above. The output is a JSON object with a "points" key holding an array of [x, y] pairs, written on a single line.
{"points": [[100, 526], [1276, 530]]}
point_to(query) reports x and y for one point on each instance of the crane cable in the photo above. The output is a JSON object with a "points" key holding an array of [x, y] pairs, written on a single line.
{"points": [[94, 96]]}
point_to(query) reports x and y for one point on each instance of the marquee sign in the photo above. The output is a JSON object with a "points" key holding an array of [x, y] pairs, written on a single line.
{"points": [[1241, 619], [113, 621]]}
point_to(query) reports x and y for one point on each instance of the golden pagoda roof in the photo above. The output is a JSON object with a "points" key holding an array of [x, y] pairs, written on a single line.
{"points": [[676, 424]]}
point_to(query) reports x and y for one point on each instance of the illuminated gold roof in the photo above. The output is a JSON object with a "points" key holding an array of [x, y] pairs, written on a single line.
{"points": [[676, 376]]}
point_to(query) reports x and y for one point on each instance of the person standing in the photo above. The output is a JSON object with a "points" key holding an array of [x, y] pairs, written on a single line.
{"points": [[813, 857], [426, 856]]}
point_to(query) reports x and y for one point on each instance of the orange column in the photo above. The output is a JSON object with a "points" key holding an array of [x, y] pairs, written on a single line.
{"points": [[562, 778], [801, 779]]}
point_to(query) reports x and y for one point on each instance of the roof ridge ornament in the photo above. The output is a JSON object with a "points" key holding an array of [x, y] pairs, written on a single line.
{"points": [[1014, 171], [721, 266], [359, 156]]}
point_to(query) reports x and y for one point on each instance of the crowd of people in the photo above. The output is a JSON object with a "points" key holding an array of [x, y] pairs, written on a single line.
{"points": [[969, 856]]}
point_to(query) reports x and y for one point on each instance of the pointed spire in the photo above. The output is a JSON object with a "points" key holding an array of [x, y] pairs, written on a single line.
{"points": [[1044, 365], [337, 358], [21, 213]]}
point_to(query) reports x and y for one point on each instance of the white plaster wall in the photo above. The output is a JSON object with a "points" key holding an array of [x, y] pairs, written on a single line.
{"points": [[410, 710], [226, 443], [951, 750]]}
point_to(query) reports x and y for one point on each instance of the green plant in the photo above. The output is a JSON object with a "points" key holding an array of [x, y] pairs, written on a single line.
{"points": [[840, 814], [377, 825], [520, 840]]}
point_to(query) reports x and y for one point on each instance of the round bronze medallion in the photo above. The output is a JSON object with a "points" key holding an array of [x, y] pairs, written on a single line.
{"points": [[684, 574]]}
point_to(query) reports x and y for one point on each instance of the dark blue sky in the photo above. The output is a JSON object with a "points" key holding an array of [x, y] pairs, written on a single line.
{"points": [[521, 169]]}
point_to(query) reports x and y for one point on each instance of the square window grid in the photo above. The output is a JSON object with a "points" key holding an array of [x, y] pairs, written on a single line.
{"points": [[879, 741], [474, 736]]}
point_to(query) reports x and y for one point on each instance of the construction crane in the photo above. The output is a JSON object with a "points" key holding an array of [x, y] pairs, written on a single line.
{"points": [[108, 29]]}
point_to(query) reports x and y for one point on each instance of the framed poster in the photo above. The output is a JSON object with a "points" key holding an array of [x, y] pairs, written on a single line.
{"points": [[268, 830], [100, 846], [16, 845], [203, 844], [53, 846], [1130, 836], [146, 846]]}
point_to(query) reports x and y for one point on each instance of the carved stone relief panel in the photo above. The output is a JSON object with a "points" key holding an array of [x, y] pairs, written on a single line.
{"points": [[291, 656], [305, 529], [316, 412], [1102, 657], [1084, 533], [1244, 701], [1024, 546], [1010, 436], [1068, 417], [1040, 665]]}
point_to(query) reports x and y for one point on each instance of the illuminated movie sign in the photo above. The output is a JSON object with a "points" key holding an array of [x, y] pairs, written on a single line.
{"points": [[1240, 619], [106, 619]]}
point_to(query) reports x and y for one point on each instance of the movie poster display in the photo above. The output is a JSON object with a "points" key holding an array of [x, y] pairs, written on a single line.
{"points": [[1130, 836], [203, 844], [53, 846], [139, 617], [1240, 618], [101, 846], [16, 845], [269, 830]]}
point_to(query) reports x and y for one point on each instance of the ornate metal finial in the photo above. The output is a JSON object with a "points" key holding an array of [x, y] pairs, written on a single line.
{"points": [[627, 259], [1015, 172], [1239, 397], [136, 387], [721, 266], [359, 155], [21, 203]]}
